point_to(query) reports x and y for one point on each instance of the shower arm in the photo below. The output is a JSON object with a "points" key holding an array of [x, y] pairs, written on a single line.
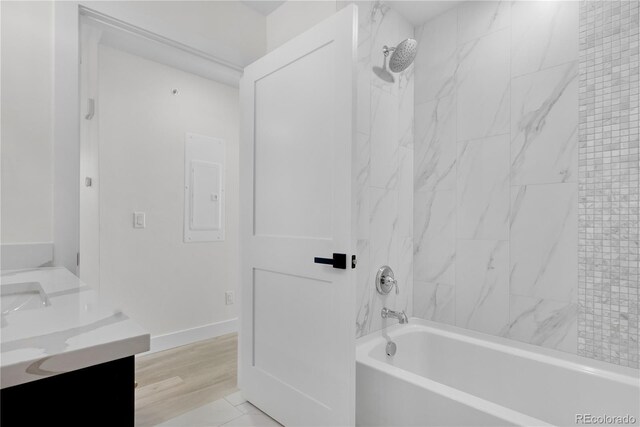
{"points": [[387, 50]]}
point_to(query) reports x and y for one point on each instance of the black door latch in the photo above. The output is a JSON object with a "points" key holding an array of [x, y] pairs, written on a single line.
{"points": [[338, 261]]}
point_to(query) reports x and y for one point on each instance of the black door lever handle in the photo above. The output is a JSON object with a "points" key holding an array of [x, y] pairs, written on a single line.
{"points": [[338, 261]]}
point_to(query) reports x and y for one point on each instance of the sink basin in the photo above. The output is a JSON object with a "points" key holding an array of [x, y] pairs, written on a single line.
{"points": [[22, 296]]}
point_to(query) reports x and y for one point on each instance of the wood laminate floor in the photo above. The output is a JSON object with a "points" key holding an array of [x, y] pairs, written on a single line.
{"points": [[181, 379]]}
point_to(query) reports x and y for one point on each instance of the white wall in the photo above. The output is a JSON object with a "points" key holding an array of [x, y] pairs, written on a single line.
{"points": [[38, 36], [40, 123], [26, 131], [295, 17], [164, 284]]}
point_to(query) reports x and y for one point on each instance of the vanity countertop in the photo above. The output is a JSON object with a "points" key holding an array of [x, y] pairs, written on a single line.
{"points": [[64, 328]]}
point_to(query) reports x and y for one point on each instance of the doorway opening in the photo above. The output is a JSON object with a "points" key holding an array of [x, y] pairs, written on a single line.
{"points": [[159, 206]]}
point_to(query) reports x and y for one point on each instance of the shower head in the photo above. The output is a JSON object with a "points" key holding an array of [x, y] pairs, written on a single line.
{"points": [[402, 55]]}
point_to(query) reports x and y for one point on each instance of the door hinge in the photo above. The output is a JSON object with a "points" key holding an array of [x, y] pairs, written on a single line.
{"points": [[77, 258], [91, 108], [354, 261]]}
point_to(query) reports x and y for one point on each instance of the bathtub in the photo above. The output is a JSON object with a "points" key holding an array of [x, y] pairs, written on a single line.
{"points": [[446, 376]]}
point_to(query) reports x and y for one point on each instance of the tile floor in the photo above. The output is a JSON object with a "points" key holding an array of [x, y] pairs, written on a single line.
{"points": [[232, 410]]}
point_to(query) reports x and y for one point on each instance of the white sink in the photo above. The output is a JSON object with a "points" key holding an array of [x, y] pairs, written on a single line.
{"points": [[22, 296]]}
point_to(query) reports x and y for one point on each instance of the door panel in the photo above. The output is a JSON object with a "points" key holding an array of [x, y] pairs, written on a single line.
{"points": [[293, 197], [306, 360], [297, 345]]}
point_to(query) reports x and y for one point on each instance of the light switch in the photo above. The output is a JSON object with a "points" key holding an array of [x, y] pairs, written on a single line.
{"points": [[139, 220]]}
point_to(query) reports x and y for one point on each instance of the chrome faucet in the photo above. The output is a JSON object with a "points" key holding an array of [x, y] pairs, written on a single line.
{"points": [[395, 314]]}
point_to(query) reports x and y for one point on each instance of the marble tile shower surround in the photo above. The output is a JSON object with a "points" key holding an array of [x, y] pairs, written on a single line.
{"points": [[383, 168], [496, 170], [482, 136], [609, 181]]}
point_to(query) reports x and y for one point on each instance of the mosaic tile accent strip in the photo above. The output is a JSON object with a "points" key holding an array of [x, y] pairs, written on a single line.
{"points": [[608, 292]]}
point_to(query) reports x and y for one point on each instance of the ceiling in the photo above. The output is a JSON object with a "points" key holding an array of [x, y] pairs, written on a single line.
{"points": [[419, 12], [416, 12], [265, 7]]}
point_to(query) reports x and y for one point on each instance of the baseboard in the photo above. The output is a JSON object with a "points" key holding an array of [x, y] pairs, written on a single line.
{"points": [[26, 255], [188, 336]]}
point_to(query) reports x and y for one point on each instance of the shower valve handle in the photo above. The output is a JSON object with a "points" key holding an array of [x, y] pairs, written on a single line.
{"points": [[385, 280], [392, 282]]}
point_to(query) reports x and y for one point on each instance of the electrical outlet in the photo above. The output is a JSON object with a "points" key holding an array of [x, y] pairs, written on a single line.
{"points": [[139, 220], [228, 297]]}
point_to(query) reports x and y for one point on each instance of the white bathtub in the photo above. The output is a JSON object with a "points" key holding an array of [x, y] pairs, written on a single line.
{"points": [[443, 375]]}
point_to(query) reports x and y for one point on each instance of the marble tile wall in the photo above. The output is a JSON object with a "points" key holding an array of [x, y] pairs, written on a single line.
{"points": [[496, 170], [608, 176], [383, 168]]}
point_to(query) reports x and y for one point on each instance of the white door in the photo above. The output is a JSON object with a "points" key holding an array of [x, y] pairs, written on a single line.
{"points": [[297, 341]]}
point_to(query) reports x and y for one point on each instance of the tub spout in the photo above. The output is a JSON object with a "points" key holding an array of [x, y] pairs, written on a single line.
{"points": [[400, 315]]}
